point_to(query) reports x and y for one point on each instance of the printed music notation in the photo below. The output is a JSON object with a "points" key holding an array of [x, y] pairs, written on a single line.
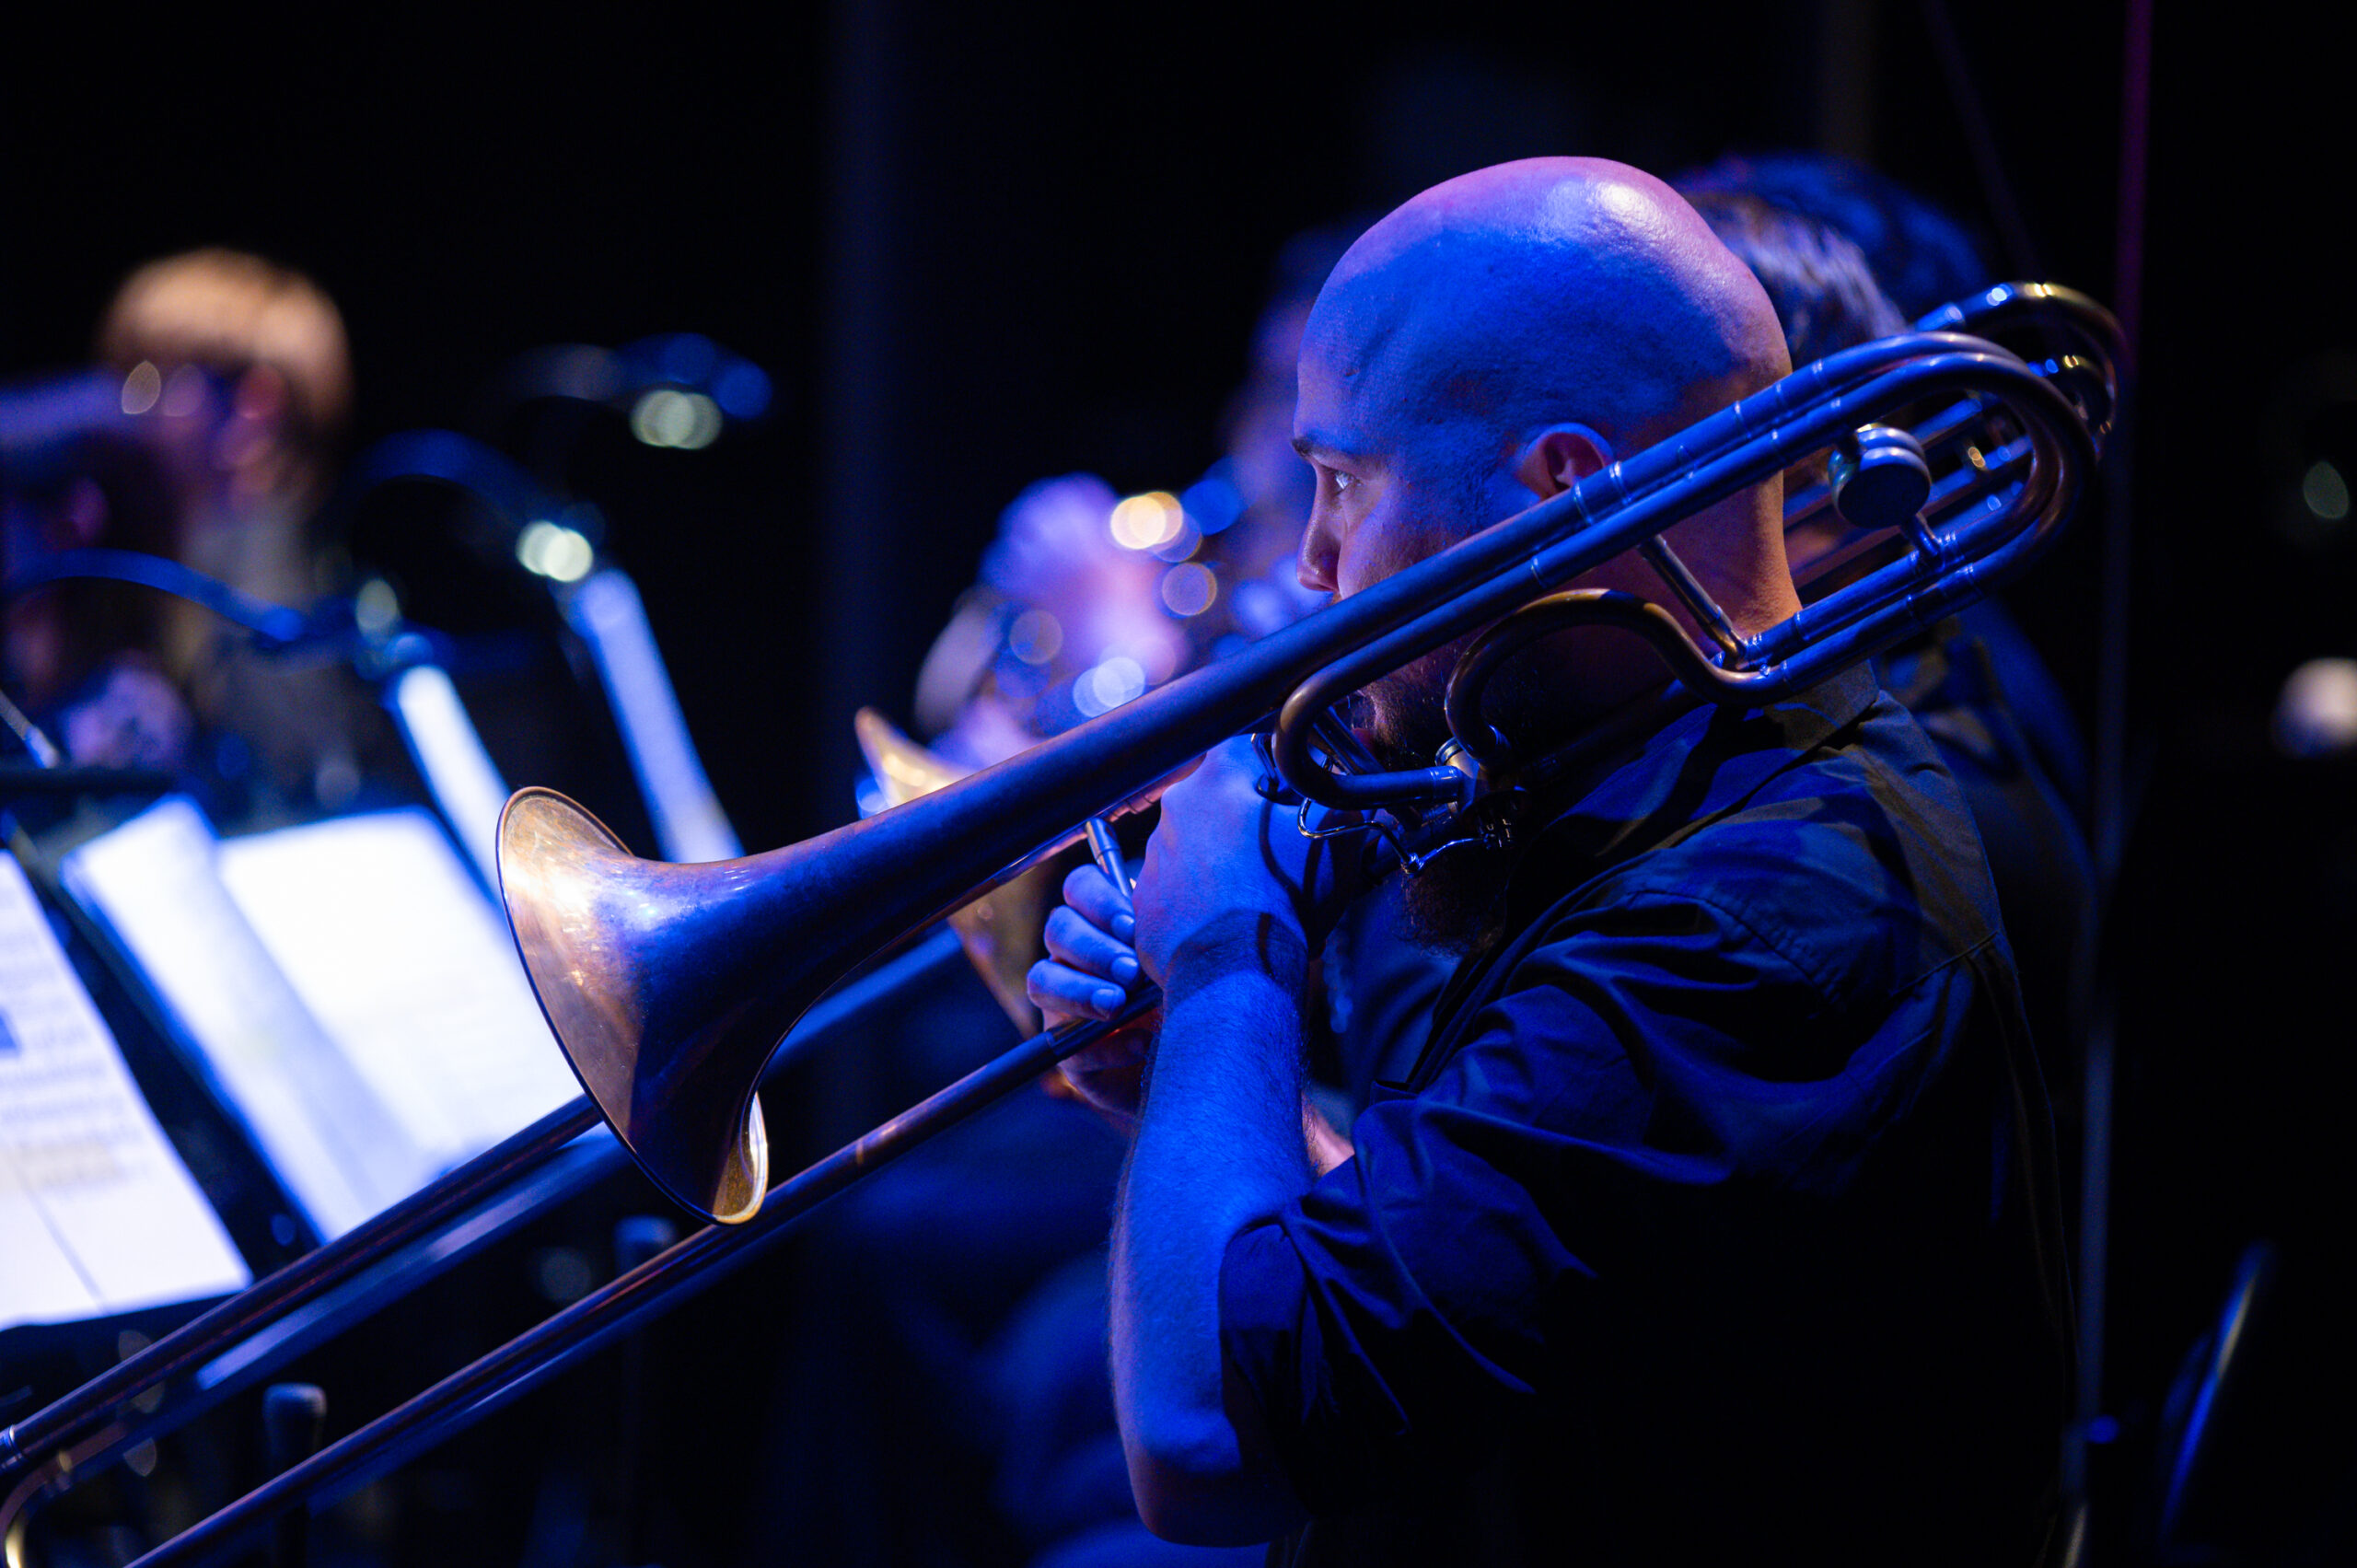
{"points": [[97, 1215], [346, 986]]}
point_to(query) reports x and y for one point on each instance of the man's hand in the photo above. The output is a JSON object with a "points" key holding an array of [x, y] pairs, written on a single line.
{"points": [[1086, 974], [1222, 859], [1221, 852]]}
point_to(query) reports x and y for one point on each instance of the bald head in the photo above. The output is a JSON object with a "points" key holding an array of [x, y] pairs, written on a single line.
{"points": [[1507, 333], [1501, 337], [1549, 289]]}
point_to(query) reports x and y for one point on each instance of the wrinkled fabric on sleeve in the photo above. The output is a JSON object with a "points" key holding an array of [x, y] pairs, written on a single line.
{"points": [[1719, 1189]]}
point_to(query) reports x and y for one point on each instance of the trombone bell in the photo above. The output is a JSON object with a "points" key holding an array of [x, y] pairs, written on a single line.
{"points": [[590, 922], [1000, 931]]}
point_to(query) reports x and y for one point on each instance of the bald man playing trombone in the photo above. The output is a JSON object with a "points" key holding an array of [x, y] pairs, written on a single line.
{"points": [[1716, 1220]]}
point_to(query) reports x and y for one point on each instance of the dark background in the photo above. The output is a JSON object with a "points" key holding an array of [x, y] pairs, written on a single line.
{"points": [[976, 247]]}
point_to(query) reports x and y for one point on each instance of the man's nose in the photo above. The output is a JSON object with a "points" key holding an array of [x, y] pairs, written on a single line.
{"points": [[1319, 551]]}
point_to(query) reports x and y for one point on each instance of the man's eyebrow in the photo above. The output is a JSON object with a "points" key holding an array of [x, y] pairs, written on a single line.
{"points": [[1313, 446]]}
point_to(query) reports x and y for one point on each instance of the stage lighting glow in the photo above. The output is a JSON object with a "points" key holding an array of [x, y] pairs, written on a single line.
{"points": [[1263, 605], [562, 1275], [376, 608], [1116, 680], [1147, 521], [668, 417], [687, 358], [141, 388], [184, 391], [2317, 716], [1213, 502], [742, 390], [1036, 637], [1159, 655], [1182, 544], [554, 550], [1189, 589], [2326, 491]]}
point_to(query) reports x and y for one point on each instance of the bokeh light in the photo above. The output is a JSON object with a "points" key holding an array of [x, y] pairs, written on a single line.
{"points": [[141, 388], [377, 609], [2316, 714], [742, 390], [2326, 491], [1213, 502], [1107, 686], [1189, 589], [184, 391], [1148, 521], [1035, 637], [554, 551], [668, 417]]}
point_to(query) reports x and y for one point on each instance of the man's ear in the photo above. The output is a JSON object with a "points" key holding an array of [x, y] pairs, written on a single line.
{"points": [[1560, 457]]}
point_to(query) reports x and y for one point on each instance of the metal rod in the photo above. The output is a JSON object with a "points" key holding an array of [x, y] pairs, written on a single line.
{"points": [[40, 1436], [298, 1282], [2094, 993], [495, 1380], [1980, 138], [1679, 579]]}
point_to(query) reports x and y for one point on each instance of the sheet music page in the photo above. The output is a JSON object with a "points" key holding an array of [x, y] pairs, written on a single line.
{"points": [[334, 1143], [97, 1215], [394, 948]]}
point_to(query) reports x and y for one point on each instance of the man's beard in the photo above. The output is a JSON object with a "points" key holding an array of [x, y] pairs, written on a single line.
{"points": [[1456, 903]]}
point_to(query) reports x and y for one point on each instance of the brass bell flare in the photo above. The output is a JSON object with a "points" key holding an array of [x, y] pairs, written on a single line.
{"points": [[1001, 931], [599, 932]]}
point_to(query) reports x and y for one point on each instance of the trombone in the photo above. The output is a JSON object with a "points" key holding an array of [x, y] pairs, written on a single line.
{"points": [[670, 987]]}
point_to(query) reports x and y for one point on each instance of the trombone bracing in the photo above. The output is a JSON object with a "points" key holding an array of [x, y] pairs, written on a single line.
{"points": [[670, 987]]}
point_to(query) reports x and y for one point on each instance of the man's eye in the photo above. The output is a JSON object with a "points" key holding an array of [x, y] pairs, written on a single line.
{"points": [[1339, 482]]}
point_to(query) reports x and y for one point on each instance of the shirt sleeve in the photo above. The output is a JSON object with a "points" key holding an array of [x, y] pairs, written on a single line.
{"points": [[1650, 1080]]}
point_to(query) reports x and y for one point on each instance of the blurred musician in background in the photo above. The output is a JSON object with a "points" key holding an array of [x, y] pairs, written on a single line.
{"points": [[1077, 579], [1716, 1220], [1920, 258], [1974, 682], [1088, 599], [249, 359], [81, 657], [260, 350], [237, 379]]}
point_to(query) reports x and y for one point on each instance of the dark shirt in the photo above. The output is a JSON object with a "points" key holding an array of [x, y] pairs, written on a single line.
{"points": [[1717, 1220], [2001, 726]]}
